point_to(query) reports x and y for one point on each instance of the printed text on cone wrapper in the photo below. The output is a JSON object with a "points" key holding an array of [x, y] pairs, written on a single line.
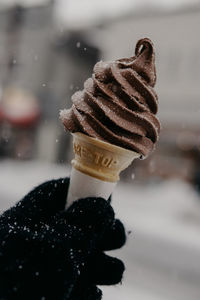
{"points": [[95, 157]]}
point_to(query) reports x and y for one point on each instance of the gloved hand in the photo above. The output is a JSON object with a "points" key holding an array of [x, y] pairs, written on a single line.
{"points": [[47, 252]]}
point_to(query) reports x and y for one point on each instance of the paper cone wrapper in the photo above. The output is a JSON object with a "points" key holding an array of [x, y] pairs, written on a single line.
{"points": [[99, 159], [96, 167]]}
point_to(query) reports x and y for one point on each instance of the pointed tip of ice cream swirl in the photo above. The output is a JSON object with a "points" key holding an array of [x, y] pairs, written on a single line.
{"points": [[143, 62]]}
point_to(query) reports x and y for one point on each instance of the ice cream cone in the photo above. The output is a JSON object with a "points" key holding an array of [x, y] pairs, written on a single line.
{"points": [[99, 159], [96, 167], [117, 104]]}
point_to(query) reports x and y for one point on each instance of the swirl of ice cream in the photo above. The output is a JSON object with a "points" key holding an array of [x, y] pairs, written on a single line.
{"points": [[118, 104]]}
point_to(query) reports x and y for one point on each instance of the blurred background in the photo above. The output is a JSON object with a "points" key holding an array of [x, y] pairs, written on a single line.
{"points": [[47, 50]]}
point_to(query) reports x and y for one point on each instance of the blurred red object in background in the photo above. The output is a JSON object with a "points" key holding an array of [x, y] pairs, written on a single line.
{"points": [[19, 108]]}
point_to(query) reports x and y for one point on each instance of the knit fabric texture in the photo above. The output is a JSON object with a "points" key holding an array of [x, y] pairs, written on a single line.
{"points": [[47, 252]]}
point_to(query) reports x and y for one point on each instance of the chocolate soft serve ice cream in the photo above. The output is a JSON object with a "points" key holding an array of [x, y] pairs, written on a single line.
{"points": [[118, 103]]}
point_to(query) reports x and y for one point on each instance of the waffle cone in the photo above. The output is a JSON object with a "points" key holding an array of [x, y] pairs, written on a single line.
{"points": [[99, 159]]}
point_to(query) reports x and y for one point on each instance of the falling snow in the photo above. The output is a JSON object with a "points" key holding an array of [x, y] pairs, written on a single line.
{"points": [[132, 176]]}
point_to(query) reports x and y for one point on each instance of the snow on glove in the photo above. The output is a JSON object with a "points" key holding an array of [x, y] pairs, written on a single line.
{"points": [[47, 252]]}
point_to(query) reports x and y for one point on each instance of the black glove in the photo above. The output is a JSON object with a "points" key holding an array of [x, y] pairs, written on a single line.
{"points": [[47, 252]]}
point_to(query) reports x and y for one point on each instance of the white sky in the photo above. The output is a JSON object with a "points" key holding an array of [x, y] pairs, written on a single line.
{"points": [[90, 4], [82, 12]]}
